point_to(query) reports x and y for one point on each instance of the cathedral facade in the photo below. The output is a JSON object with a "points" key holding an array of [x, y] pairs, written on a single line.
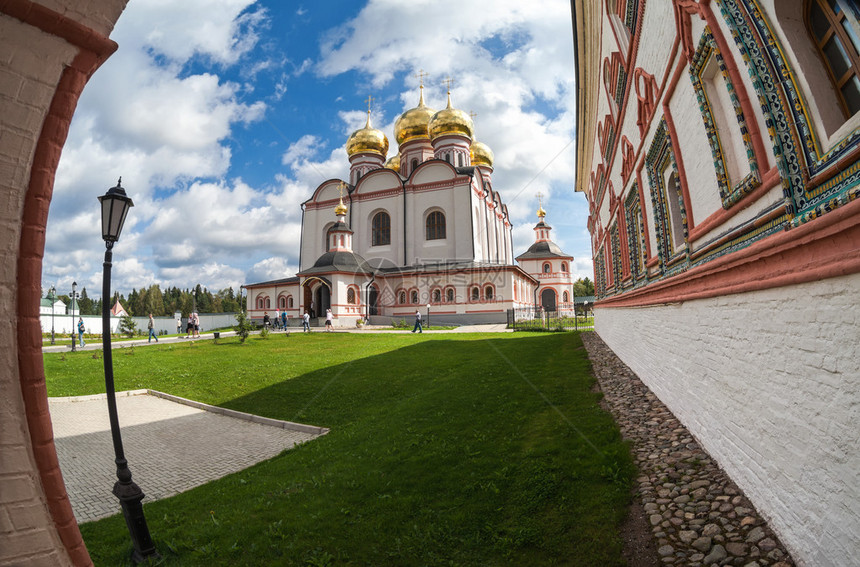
{"points": [[423, 231], [719, 149]]}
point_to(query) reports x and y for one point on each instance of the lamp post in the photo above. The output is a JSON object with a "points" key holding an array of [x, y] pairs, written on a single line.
{"points": [[428, 315], [52, 295], [115, 205], [74, 294]]}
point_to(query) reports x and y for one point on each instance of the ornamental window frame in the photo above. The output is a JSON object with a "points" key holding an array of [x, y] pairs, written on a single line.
{"points": [[667, 200], [380, 228], [839, 28], [435, 225]]}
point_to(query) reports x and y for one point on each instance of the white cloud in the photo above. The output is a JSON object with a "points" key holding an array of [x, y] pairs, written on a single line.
{"points": [[303, 149], [273, 268]]}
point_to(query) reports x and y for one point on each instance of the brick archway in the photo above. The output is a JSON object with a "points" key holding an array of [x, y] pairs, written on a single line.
{"points": [[53, 56]]}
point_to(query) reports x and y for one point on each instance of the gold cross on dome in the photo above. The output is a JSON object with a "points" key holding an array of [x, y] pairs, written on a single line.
{"points": [[369, 102], [540, 199], [448, 81], [420, 75], [472, 114], [340, 187]]}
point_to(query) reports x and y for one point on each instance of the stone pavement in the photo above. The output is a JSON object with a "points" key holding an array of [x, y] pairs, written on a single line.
{"points": [[171, 446], [697, 516]]}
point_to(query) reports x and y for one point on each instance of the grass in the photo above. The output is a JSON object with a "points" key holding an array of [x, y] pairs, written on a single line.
{"points": [[443, 450]]}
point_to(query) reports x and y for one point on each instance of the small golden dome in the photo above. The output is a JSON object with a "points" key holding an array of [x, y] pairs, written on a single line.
{"points": [[541, 213], [340, 210], [481, 154], [412, 124], [393, 163], [450, 121], [368, 139]]}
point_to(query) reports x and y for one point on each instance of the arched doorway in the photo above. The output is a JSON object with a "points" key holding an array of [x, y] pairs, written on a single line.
{"points": [[322, 299], [547, 299], [373, 301]]}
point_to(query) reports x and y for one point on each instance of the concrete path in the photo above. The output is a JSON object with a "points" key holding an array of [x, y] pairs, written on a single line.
{"points": [[170, 446]]}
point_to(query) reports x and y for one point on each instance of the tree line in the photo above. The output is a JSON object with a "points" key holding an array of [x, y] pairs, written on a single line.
{"points": [[152, 299]]}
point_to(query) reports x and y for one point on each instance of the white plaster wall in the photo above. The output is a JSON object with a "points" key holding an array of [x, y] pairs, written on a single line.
{"points": [[769, 383]]}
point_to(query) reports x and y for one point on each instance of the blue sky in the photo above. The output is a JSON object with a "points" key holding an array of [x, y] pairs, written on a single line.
{"points": [[222, 116]]}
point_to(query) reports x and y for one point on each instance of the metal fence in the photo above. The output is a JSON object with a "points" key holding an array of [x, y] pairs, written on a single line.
{"points": [[539, 319]]}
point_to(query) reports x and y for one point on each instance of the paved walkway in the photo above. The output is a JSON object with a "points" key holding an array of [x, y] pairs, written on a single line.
{"points": [[171, 446]]}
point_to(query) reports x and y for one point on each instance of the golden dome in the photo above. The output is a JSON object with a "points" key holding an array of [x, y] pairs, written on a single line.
{"points": [[481, 154], [541, 213], [368, 139], [412, 124], [450, 121], [340, 210], [393, 163]]}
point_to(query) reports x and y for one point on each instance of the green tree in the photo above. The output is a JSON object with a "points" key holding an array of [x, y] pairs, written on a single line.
{"points": [[243, 326], [583, 287], [154, 301], [85, 303], [127, 326]]}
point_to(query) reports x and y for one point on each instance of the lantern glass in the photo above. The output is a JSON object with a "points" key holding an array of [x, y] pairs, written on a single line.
{"points": [[115, 206]]}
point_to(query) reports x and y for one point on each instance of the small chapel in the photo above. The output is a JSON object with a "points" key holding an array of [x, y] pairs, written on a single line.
{"points": [[424, 230]]}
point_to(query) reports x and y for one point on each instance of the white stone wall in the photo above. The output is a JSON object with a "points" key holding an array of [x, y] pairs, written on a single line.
{"points": [[769, 383]]}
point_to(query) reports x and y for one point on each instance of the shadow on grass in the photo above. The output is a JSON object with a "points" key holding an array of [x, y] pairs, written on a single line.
{"points": [[466, 452]]}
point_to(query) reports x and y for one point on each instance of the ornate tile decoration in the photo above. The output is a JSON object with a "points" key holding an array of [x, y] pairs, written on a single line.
{"points": [[600, 274], [616, 255], [797, 149], [635, 233], [728, 195], [660, 156]]}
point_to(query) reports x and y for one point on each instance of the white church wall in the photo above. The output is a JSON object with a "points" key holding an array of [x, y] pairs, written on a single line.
{"points": [[767, 382], [433, 172]]}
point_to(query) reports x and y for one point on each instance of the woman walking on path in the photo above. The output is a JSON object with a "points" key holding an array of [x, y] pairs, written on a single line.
{"points": [[306, 323], [81, 332], [328, 319], [151, 327], [417, 326]]}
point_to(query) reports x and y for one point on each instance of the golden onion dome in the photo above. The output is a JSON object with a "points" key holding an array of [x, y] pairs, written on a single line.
{"points": [[540, 212], [340, 210], [450, 121], [393, 163], [368, 139], [412, 124], [481, 154]]}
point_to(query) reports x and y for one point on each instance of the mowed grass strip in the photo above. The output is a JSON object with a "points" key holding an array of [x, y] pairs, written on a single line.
{"points": [[443, 450]]}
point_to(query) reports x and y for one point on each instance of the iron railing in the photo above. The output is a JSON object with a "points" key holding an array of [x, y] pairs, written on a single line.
{"points": [[539, 319]]}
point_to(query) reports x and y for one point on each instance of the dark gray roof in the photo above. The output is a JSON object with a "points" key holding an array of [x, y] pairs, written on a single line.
{"points": [[293, 279], [543, 249], [338, 262]]}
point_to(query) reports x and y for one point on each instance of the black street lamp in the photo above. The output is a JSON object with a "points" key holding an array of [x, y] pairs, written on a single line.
{"points": [[52, 295], [428, 315], [115, 206], [74, 295]]}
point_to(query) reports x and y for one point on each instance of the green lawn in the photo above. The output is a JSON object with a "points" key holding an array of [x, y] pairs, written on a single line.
{"points": [[443, 450]]}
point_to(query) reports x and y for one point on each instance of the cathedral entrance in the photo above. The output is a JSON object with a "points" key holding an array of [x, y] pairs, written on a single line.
{"points": [[373, 301], [322, 300], [547, 300]]}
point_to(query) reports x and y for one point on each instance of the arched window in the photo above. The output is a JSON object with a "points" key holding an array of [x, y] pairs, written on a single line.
{"points": [[350, 296], [282, 302], [836, 35], [564, 266], [475, 293], [414, 165], [436, 226], [413, 296], [488, 293], [547, 268], [261, 302], [565, 298], [449, 295], [437, 296], [380, 229], [290, 301], [268, 303], [326, 238], [460, 160], [401, 298]]}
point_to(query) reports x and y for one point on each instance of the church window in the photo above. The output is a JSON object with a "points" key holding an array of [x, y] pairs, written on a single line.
{"points": [[282, 302], [414, 165], [435, 226], [290, 301], [381, 229], [413, 296], [449, 294], [476, 293], [350, 296], [460, 160], [547, 268], [488, 293], [437, 296], [268, 303], [564, 266], [565, 298], [401, 298], [448, 158], [834, 27]]}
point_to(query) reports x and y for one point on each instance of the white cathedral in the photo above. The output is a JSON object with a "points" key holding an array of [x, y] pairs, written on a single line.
{"points": [[424, 230]]}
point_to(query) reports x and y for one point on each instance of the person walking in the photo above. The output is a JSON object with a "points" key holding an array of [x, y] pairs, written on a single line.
{"points": [[277, 321], [328, 320], [81, 332], [417, 326], [284, 319], [151, 327], [266, 320], [306, 323], [179, 325], [196, 318], [189, 328]]}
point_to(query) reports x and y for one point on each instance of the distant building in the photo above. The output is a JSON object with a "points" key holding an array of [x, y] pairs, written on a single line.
{"points": [[424, 228], [46, 305], [718, 144]]}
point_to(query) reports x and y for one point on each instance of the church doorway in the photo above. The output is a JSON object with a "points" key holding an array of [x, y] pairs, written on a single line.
{"points": [[322, 300], [547, 299], [373, 301]]}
